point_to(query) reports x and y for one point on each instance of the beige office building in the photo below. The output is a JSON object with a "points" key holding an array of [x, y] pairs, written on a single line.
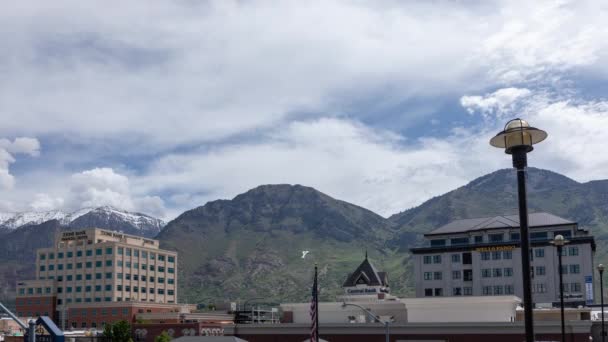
{"points": [[93, 266]]}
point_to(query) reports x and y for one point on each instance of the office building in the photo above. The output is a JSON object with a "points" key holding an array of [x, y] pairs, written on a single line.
{"points": [[482, 257], [94, 268]]}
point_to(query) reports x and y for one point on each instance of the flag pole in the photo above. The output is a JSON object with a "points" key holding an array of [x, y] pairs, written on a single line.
{"points": [[317, 303]]}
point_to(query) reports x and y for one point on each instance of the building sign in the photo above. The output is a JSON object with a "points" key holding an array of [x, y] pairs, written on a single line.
{"points": [[70, 236], [589, 289], [494, 249], [361, 291]]}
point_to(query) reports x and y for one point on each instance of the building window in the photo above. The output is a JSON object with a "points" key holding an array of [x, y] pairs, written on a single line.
{"points": [[119, 263], [456, 291], [540, 288], [88, 276], [479, 239], [108, 287], [118, 287], [70, 254], [434, 243], [171, 281], [79, 277], [78, 253], [507, 255], [455, 275], [497, 272], [497, 290], [539, 252], [438, 292], [428, 292], [575, 269], [539, 236], [540, 270], [162, 280], [171, 258], [98, 288], [120, 250], [42, 256], [108, 250], [459, 241], [128, 250], [68, 289], [118, 275], [51, 267], [78, 289], [436, 276], [496, 237], [108, 263], [509, 290], [487, 290], [170, 270], [152, 256], [98, 275], [151, 279], [128, 276], [51, 256], [108, 275], [70, 266], [508, 272], [78, 265], [575, 287], [496, 255], [467, 291], [136, 253], [42, 268], [427, 259], [98, 263], [135, 277], [455, 258], [151, 267], [89, 252], [486, 272], [128, 264], [514, 236], [87, 288], [98, 251], [151, 290], [467, 275], [436, 260], [485, 255], [573, 251], [467, 259]]}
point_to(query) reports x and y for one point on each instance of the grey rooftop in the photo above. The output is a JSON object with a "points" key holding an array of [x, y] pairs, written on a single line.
{"points": [[540, 219]]}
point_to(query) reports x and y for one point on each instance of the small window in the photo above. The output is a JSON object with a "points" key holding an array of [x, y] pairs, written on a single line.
{"points": [[90, 252], [437, 275], [540, 270], [515, 236], [467, 275], [437, 242], [507, 255], [438, 292], [467, 258], [485, 255], [508, 272], [539, 252], [497, 272], [428, 275], [108, 250], [479, 239], [467, 291], [496, 237], [427, 259], [428, 292], [573, 251], [436, 260], [496, 255], [486, 272], [98, 251], [539, 236], [456, 275], [459, 241], [456, 291]]}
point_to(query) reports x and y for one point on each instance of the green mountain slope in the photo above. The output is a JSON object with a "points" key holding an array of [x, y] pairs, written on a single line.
{"points": [[251, 246]]}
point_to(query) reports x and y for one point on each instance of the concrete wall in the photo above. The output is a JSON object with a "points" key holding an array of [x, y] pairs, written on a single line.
{"points": [[461, 309]]}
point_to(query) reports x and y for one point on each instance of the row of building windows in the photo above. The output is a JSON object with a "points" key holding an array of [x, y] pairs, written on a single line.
{"points": [[99, 299], [497, 290], [101, 312], [496, 272], [498, 237], [466, 275], [108, 263], [496, 255], [108, 251]]}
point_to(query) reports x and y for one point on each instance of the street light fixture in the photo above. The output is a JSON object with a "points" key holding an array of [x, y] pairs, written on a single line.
{"points": [[517, 139], [374, 317], [559, 242], [600, 269]]}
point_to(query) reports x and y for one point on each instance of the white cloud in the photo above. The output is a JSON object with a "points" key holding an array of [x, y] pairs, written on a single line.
{"points": [[8, 149], [342, 158], [44, 202], [501, 101], [103, 186], [191, 72]]}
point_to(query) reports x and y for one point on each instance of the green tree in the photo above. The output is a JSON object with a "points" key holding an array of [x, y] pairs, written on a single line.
{"points": [[118, 332], [163, 337]]}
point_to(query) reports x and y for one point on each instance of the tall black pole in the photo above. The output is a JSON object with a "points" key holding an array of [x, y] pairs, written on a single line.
{"points": [[520, 163], [602, 303], [561, 291]]}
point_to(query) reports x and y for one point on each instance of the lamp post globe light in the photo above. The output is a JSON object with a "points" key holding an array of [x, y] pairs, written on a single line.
{"points": [[518, 138], [559, 243], [600, 269]]}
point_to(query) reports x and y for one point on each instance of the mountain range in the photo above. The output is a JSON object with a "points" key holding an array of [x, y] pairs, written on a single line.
{"points": [[251, 246]]}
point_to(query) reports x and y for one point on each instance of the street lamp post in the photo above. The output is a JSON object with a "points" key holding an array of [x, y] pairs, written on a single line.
{"points": [[374, 317], [559, 242], [600, 269], [517, 139]]}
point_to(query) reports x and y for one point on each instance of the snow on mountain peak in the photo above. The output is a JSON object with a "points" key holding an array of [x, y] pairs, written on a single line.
{"points": [[16, 220]]}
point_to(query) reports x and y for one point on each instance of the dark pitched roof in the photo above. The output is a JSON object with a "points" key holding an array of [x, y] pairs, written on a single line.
{"points": [[366, 273], [508, 221]]}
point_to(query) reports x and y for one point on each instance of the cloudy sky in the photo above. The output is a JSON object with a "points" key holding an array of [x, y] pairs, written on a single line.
{"points": [[161, 106]]}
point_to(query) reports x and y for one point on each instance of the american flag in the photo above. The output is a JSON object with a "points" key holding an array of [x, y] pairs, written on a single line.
{"points": [[314, 311]]}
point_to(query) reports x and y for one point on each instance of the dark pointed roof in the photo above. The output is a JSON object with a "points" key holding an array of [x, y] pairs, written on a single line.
{"points": [[366, 274]]}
